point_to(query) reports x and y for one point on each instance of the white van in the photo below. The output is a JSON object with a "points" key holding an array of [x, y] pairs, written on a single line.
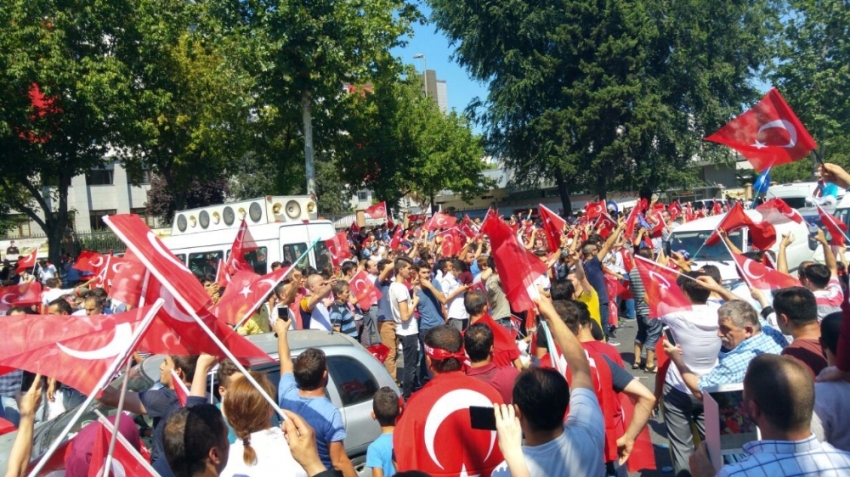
{"points": [[840, 211], [690, 236], [282, 226], [797, 195]]}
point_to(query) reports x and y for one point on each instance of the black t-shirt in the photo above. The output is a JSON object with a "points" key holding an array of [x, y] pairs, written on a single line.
{"points": [[159, 405], [620, 378]]}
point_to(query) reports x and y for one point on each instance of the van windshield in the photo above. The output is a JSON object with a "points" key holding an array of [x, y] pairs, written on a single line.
{"points": [[795, 202], [692, 242]]}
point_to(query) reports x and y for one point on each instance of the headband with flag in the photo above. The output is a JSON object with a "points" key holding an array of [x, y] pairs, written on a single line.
{"points": [[441, 354]]}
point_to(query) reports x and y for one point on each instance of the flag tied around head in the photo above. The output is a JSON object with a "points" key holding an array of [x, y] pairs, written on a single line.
{"points": [[762, 234], [768, 135], [364, 290], [663, 294], [518, 267], [761, 277], [338, 248], [247, 292], [24, 294], [435, 435], [185, 298], [243, 243], [27, 261], [377, 211], [777, 212], [835, 227]]}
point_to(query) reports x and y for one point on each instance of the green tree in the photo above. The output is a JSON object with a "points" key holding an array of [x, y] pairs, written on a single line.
{"points": [[398, 142], [66, 126], [606, 94], [812, 70]]}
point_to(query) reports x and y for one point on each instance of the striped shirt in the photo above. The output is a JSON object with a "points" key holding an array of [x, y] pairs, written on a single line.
{"points": [[806, 457], [829, 299], [342, 317], [638, 292]]}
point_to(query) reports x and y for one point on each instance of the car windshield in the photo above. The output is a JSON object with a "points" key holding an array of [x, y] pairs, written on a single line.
{"points": [[693, 242]]}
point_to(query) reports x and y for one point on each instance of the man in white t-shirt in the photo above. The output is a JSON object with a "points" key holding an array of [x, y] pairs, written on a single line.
{"points": [[695, 331], [406, 327], [541, 396], [454, 291]]}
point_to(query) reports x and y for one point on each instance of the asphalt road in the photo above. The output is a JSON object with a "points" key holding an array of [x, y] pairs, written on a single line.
{"points": [[626, 337]]}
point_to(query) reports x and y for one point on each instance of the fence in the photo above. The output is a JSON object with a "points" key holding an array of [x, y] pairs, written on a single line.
{"points": [[97, 241]]}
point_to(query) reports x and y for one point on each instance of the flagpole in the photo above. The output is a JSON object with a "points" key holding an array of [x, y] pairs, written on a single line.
{"points": [[707, 238], [638, 257], [107, 466], [101, 384], [250, 312]]}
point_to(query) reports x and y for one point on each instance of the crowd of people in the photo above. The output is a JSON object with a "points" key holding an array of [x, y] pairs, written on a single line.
{"points": [[563, 402]]}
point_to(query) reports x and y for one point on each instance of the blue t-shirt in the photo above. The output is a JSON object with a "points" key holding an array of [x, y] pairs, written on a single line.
{"points": [[430, 310], [319, 412], [380, 454], [385, 312], [474, 268]]}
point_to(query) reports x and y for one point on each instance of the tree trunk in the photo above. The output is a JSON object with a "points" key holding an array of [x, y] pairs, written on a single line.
{"points": [[564, 192], [602, 186], [307, 118], [57, 220], [433, 205]]}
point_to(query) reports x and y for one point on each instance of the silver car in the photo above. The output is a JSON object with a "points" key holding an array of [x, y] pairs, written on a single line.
{"points": [[354, 376]]}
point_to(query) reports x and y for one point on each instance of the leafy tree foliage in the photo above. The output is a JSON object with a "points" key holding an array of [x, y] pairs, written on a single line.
{"points": [[161, 201]]}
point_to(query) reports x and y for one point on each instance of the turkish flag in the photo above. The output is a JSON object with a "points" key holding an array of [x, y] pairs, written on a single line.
{"points": [[395, 242], [76, 350], [125, 459], [181, 334], [761, 277], [222, 278], [762, 234], [517, 266], [441, 221], [689, 212], [377, 211], [23, 294], [246, 294], [553, 226], [434, 433], [243, 243], [354, 228], [594, 209], [605, 225], [467, 228], [28, 261], [675, 210], [716, 209], [776, 211], [107, 273], [768, 135], [90, 262], [835, 227], [180, 389], [338, 248], [451, 242], [364, 290], [632, 221], [663, 295], [658, 225], [128, 279], [505, 349]]}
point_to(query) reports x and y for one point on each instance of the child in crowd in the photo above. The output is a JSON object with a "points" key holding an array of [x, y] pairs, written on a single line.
{"points": [[379, 455]]}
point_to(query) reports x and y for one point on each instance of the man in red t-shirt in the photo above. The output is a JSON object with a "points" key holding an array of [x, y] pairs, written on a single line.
{"points": [[505, 350], [478, 343]]}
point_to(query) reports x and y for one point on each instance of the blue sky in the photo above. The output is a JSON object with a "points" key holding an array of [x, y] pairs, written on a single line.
{"points": [[434, 45]]}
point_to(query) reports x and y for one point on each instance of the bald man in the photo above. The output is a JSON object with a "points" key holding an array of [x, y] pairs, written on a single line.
{"points": [[779, 395], [314, 307]]}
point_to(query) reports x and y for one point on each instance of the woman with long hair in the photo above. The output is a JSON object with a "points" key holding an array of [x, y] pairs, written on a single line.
{"points": [[260, 449]]}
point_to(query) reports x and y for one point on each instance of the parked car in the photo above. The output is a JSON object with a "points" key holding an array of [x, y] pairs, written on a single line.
{"points": [[354, 376]]}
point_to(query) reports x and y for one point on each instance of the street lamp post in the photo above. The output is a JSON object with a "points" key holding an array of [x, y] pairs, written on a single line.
{"points": [[420, 56]]}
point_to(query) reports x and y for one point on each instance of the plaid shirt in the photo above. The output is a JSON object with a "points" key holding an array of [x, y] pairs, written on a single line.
{"points": [[732, 365], [10, 383], [806, 457]]}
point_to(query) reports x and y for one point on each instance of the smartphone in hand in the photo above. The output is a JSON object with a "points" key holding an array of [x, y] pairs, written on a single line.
{"points": [[482, 418]]}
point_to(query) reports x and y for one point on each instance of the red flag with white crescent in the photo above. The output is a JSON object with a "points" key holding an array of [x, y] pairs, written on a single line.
{"points": [[434, 433], [395, 242], [90, 262], [243, 244], [762, 234], [23, 294], [364, 290], [440, 221], [776, 211], [128, 279], [377, 211], [451, 242], [594, 209], [553, 226], [467, 228], [125, 460], [631, 222], [835, 227], [663, 294], [768, 135], [27, 261], [338, 248], [761, 277], [675, 210], [246, 294]]}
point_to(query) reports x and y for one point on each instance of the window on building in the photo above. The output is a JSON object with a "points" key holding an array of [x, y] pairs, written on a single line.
{"points": [[21, 227], [146, 176], [143, 214], [362, 196], [96, 219], [99, 177]]}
